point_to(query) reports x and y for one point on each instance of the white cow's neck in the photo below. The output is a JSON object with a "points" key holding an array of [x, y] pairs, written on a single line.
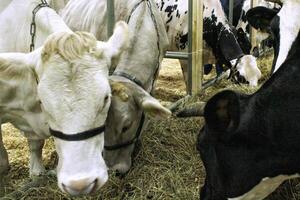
{"points": [[4, 4], [58, 5], [141, 59], [289, 29], [19, 15], [23, 109]]}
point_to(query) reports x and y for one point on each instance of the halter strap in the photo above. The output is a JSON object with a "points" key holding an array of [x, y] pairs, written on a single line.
{"points": [[130, 142], [234, 72], [78, 136], [129, 77]]}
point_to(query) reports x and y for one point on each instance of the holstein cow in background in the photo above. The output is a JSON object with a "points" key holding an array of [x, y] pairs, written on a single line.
{"points": [[221, 45], [242, 29], [60, 89], [261, 18], [134, 76], [251, 143], [262, 39]]}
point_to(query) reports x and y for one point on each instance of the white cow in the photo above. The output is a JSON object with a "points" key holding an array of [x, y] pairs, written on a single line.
{"points": [[60, 89], [134, 75]]}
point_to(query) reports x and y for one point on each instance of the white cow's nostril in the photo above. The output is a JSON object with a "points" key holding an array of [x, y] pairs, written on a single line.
{"points": [[81, 186]]}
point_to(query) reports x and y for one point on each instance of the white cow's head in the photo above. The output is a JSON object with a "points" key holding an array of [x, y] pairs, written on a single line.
{"points": [[129, 101], [247, 67], [75, 96]]}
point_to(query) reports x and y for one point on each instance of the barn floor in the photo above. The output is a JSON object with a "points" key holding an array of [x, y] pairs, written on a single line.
{"points": [[167, 167]]}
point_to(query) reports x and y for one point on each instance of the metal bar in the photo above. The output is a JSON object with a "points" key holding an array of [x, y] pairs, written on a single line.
{"points": [[214, 80], [176, 55], [190, 46], [274, 1], [181, 103], [252, 30], [230, 16], [110, 17]]}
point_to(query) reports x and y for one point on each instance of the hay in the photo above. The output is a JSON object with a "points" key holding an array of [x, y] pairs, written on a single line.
{"points": [[168, 165]]}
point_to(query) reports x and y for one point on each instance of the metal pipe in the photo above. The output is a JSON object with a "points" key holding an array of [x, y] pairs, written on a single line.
{"points": [[177, 55], [110, 17], [190, 47], [275, 1], [230, 16]]}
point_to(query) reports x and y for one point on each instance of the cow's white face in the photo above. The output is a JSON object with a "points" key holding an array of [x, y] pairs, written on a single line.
{"points": [[248, 68], [289, 27], [128, 103], [75, 96]]}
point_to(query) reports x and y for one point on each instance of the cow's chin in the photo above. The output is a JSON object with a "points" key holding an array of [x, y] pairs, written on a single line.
{"points": [[122, 166]]}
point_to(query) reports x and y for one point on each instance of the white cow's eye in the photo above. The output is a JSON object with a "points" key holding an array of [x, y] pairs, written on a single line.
{"points": [[106, 99]]}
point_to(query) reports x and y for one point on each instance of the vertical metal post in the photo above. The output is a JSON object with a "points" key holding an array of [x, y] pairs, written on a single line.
{"points": [[252, 30], [195, 43], [190, 46], [230, 16], [110, 17]]}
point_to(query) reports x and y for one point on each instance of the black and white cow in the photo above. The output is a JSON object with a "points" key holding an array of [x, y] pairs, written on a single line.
{"points": [[221, 45], [242, 28], [260, 18], [251, 143]]}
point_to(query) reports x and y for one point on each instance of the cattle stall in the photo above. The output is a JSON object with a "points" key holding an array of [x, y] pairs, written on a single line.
{"points": [[166, 167]]}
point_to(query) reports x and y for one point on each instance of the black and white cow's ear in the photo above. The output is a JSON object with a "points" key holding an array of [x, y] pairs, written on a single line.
{"points": [[222, 112], [260, 17]]}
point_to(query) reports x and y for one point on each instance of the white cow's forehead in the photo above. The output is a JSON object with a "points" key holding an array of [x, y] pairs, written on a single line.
{"points": [[289, 28]]}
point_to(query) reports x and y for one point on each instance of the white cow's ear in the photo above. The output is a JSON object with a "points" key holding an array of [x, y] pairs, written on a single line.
{"points": [[119, 41], [17, 66], [154, 109], [150, 105]]}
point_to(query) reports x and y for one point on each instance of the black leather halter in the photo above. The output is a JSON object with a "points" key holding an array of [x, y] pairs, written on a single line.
{"points": [[139, 130], [130, 142], [78, 136], [129, 77], [234, 73]]}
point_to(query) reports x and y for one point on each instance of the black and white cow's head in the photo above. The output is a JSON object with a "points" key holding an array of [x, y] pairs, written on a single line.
{"points": [[250, 144], [283, 25], [246, 152], [220, 37]]}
